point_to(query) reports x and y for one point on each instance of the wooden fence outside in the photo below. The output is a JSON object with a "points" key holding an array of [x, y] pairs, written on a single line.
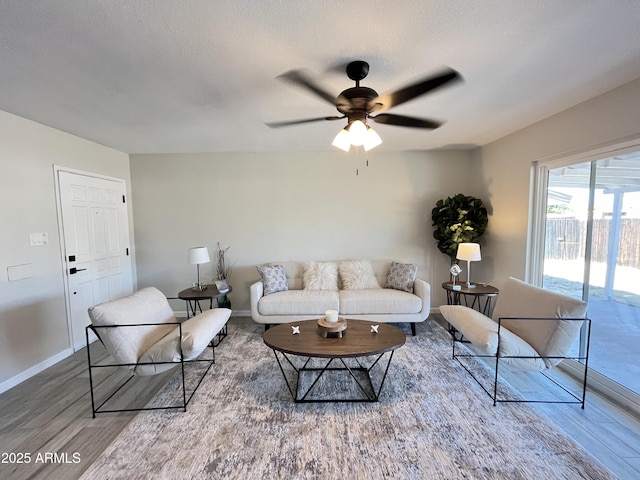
{"points": [[565, 240]]}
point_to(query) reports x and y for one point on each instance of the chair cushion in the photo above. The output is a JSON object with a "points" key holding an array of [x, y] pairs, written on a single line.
{"points": [[550, 338], [126, 345], [197, 333], [482, 332]]}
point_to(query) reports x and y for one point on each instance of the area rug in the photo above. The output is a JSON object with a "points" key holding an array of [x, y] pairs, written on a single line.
{"points": [[432, 422]]}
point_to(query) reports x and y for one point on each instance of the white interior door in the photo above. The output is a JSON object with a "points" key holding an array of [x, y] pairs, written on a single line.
{"points": [[96, 245]]}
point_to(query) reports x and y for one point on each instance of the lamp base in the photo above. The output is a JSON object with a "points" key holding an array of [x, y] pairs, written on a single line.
{"points": [[470, 285], [198, 287]]}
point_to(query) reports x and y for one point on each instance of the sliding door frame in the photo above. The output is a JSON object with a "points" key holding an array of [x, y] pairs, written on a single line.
{"points": [[536, 243]]}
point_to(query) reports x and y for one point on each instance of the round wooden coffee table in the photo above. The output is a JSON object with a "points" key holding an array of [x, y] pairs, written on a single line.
{"points": [[348, 353]]}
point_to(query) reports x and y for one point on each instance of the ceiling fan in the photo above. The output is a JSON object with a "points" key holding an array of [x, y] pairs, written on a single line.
{"points": [[357, 104]]}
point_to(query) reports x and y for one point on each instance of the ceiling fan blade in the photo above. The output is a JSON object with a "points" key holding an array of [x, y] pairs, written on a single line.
{"points": [[402, 121], [299, 122], [299, 78], [392, 99]]}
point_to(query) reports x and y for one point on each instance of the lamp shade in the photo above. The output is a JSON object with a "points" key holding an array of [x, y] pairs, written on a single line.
{"points": [[342, 140], [372, 140], [469, 252], [357, 133], [198, 255]]}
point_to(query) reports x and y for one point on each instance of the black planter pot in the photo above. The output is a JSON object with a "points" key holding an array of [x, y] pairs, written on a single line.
{"points": [[224, 302]]}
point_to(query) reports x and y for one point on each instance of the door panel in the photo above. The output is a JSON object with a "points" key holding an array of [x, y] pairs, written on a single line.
{"points": [[96, 235], [591, 252]]}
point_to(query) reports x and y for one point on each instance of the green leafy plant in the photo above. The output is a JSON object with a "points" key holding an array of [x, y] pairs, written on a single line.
{"points": [[458, 219]]}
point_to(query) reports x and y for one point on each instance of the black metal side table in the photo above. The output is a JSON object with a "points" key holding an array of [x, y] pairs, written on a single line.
{"points": [[481, 297], [193, 298]]}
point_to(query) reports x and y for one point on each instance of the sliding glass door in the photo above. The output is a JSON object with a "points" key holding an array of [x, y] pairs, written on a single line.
{"points": [[592, 252]]}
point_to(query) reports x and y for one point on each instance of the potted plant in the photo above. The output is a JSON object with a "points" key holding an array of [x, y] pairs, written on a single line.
{"points": [[223, 275], [458, 219]]}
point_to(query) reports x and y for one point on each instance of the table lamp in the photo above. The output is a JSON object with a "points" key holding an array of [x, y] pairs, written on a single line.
{"points": [[471, 253], [198, 255]]}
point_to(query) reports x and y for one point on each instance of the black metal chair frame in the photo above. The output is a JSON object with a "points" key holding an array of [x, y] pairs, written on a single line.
{"points": [[185, 401], [493, 390]]}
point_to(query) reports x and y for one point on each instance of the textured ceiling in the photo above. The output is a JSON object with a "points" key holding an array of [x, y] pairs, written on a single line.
{"points": [[200, 75]]}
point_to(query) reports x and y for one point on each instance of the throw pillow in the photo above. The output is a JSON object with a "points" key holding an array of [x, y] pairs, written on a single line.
{"points": [[274, 279], [357, 275], [401, 276], [320, 276]]}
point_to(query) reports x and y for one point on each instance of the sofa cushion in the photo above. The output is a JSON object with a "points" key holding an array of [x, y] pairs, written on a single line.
{"points": [[126, 345], [378, 301], [274, 278], [401, 276], [197, 333], [357, 274], [550, 338], [320, 276], [299, 302], [482, 332]]}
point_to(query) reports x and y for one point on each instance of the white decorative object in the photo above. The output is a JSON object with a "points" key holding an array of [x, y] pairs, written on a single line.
{"points": [[296, 329], [471, 253], [331, 316], [374, 328], [455, 271]]}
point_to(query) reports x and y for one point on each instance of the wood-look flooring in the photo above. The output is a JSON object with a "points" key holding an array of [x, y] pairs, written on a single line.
{"points": [[51, 413]]}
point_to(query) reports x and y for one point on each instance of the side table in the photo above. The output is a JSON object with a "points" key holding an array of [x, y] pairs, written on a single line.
{"points": [[193, 297], [481, 297]]}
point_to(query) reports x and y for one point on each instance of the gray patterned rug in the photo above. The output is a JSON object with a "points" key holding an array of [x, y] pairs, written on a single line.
{"points": [[432, 422]]}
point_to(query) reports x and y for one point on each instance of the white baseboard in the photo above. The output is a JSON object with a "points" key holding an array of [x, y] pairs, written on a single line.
{"points": [[30, 372]]}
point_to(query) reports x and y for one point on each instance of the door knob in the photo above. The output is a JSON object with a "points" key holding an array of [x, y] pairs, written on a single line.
{"points": [[74, 270]]}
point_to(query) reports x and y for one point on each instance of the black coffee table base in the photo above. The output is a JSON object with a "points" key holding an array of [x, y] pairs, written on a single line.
{"points": [[360, 374]]}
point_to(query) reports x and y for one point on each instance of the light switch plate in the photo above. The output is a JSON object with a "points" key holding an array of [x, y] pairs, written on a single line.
{"points": [[38, 239]]}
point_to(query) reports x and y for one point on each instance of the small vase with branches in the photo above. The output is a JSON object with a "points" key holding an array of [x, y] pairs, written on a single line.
{"points": [[223, 274]]}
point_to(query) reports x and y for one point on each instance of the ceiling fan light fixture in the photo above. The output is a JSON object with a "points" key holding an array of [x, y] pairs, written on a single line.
{"points": [[371, 140], [357, 133], [342, 140]]}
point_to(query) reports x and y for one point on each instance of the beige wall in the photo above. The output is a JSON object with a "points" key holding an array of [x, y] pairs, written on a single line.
{"points": [[33, 324], [276, 207], [502, 169]]}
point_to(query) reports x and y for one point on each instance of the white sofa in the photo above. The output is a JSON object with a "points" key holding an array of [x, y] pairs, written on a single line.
{"points": [[385, 305]]}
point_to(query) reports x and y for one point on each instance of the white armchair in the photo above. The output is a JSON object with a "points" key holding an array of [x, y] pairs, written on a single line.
{"points": [[142, 334], [531, 329]]}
